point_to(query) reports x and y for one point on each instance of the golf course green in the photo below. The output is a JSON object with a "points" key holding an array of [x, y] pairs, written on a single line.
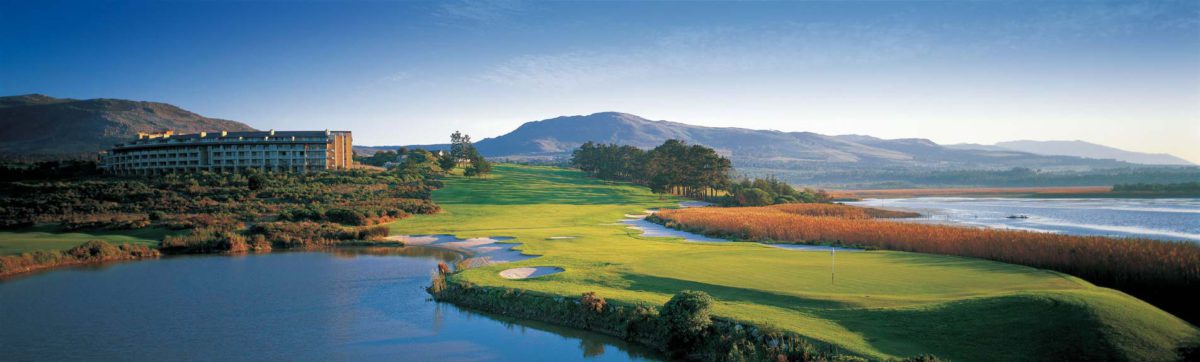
{"points": [[881, 305]]}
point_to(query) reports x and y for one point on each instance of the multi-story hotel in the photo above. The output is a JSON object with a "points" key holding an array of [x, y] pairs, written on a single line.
{"points": [[292, 151]]}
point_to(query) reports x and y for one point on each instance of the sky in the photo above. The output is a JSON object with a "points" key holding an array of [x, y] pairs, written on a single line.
{"points": [[1123, 74]]}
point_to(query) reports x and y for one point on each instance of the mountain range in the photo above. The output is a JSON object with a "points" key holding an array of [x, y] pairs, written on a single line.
{"points": [[42, 127], [556, 137]]}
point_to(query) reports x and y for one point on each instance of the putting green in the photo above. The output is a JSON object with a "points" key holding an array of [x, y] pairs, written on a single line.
{"points": [[882, 304]]}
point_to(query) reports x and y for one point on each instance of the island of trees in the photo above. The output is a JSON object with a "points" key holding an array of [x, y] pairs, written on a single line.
{"points": [[692, 171]]}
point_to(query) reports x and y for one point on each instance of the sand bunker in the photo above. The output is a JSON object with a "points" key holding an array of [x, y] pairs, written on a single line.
{"points": [[530, 272], [639, 222], [489, 249], [560, 237]]}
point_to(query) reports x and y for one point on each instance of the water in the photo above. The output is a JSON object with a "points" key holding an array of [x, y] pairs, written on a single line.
{"points": [[1165, 219], [639, 222], [354, 304]]}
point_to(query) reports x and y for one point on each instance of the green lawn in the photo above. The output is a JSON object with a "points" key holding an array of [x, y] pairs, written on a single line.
{"points": [[883, 304], [50, 238]]}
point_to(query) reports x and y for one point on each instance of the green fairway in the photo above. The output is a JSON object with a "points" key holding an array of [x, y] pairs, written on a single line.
{"points": [[882, 304], [50, 238]]}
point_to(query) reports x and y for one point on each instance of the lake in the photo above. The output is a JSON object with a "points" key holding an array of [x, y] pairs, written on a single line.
{"points": [[1165, 219], [349, 304]]}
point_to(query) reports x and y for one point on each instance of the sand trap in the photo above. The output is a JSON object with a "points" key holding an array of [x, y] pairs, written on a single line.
{"points": [[488, 249], [639, 222], [656, 230], [560, 237], [530, 272]]}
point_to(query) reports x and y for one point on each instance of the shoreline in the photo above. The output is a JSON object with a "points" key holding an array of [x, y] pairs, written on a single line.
{"points": [[160, 254]]}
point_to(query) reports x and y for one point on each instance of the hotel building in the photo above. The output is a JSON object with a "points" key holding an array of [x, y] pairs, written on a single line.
{"points": [[287, 151]]}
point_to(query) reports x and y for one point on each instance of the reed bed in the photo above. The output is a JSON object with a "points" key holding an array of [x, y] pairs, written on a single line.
{"points": [[1160, 272]]}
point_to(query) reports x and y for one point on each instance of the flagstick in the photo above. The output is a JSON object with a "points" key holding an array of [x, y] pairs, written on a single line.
{"points": [[832, 263]]}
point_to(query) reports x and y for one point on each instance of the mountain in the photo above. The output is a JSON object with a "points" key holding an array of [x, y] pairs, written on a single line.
{"points": [[1092, 150], [557, 137], [42, 127]]}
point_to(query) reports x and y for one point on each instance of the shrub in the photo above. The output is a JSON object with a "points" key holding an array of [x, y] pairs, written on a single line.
{"points": [[687, 320], [591, 302], [94, 250]]}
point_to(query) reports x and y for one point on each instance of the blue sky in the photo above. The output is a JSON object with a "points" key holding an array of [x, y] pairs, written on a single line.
{"points": [[1125, 74]]}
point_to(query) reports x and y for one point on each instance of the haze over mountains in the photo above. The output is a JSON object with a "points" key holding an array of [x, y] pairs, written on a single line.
{"points": [[1079, 149], [42, 127]]}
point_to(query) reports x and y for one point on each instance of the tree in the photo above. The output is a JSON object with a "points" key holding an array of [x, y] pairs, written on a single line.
{"points": [[460, 147], [753, 197], [478, 166], [447, 162]]}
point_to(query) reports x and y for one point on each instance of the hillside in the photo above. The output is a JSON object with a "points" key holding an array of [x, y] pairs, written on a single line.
{"points": [[42, 127]]}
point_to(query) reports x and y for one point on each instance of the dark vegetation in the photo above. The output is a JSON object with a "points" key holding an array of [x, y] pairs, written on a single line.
{"points": [[682, 328], [1180, 188], [1162, 273], [694, 171], [13, 171], [382, 158]]}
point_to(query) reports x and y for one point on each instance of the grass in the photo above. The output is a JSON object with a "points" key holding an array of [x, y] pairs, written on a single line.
{"points": [[49, 237], [882, 304]]}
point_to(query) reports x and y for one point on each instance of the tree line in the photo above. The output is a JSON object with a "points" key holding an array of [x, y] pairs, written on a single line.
{"points": [[688, 170], [673, 167], [1168, 188]]}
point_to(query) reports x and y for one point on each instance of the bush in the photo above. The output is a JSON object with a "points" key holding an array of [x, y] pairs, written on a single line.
{"points": [[687, 320], [94, 250], [591, 302]]}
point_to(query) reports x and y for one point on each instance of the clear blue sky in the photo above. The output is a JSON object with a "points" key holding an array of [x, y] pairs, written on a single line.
{"points": [[1125, 74]]}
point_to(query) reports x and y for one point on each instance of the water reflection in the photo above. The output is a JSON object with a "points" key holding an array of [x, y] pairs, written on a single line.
{"points": [[345, 304]]}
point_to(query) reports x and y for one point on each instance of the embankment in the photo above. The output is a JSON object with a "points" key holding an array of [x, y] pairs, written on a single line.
{"points": [[91, 252], [681, 330]]}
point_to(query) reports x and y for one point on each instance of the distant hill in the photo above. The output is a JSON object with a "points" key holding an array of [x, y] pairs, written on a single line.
{"points": [[1092, 150], [42, 127], [557, 137]]}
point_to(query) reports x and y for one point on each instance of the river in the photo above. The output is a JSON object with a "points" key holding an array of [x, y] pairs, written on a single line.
{"points": [[350, 304], [1165, 219]]}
